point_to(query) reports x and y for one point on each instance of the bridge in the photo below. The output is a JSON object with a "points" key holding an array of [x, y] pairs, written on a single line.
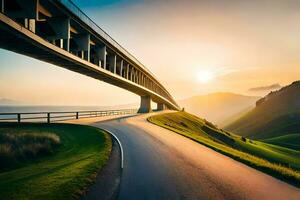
{"points": [[58, 32]]}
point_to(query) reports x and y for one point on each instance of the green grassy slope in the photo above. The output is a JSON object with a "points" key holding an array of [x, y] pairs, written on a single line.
{"points": [[275, 115], [63, 175], [278, 161], [291, 141]]}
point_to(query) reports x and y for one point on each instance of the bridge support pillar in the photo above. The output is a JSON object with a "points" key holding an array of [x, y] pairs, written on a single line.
{"points": [[83, 42], [127, 72], [112, 63], [131, 70], [101, 56], [161, 106], [138, 77], [121, 67], [134, 75], [61, 27], [145, 106]]}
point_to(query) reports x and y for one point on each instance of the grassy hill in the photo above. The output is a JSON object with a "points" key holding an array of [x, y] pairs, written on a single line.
{"points": [[291, 141], [220, 108], [77, 155], [279, 161], [275, 115]]}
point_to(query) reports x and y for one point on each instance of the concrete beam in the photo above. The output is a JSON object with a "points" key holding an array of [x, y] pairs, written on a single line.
{"points": [[112, 61], [30, 24], [145, 106]]}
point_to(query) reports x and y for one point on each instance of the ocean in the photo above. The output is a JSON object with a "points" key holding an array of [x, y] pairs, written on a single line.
{"points": [[24, 109], [33, 109]]}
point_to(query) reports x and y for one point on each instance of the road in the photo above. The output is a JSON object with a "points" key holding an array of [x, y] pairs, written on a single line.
{"points": [[159, 164]]}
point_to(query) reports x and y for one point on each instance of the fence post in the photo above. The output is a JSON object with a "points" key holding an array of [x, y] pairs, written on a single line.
{"points": [[19, 118], [77, 115], [48, 117]]}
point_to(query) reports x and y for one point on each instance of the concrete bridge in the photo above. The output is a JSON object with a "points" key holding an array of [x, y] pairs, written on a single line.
{"points": [[58, 32]]}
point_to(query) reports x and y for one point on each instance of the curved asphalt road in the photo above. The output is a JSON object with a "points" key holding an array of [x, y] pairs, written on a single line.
{"points": [[159, 164]]}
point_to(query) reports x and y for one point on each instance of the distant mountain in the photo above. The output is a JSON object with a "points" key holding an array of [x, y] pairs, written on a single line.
{"points": [[220, 108], [276, 114], [266, 88], [8, 102]]}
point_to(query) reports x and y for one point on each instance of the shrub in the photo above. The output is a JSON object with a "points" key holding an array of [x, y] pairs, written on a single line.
{"points": [[243, 139], [20, 147], [183, 124]]}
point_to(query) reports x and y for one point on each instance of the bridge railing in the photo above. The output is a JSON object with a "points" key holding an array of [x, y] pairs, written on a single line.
{"points": [[60, 116]]}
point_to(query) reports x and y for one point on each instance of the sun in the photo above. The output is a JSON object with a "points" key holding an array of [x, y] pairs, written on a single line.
{"points": [[205, 76]]}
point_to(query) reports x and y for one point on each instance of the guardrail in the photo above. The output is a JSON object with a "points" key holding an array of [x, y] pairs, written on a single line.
{"points": [[60, 116]]}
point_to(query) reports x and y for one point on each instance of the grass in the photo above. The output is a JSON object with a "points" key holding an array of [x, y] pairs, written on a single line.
{"points": [[263, 127], [66, 172], [278, 161], [17, 148], [291, 141]]}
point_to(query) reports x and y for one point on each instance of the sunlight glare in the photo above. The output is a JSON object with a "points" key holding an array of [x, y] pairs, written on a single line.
{"points": [[205, 76]]}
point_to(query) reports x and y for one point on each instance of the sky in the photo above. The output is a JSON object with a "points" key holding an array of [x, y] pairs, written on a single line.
{"points": [[193, 47]]}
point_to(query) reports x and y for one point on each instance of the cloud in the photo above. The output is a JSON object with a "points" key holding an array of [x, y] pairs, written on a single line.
{"points": [[265, 88]]}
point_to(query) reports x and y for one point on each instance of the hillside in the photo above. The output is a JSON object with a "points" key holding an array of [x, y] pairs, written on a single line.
{"points": [[219, 108], [8, 102], [275, 115], [280, 161]]}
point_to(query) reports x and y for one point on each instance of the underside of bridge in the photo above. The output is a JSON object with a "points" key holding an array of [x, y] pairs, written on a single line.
{"points": [[58, 32]]}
